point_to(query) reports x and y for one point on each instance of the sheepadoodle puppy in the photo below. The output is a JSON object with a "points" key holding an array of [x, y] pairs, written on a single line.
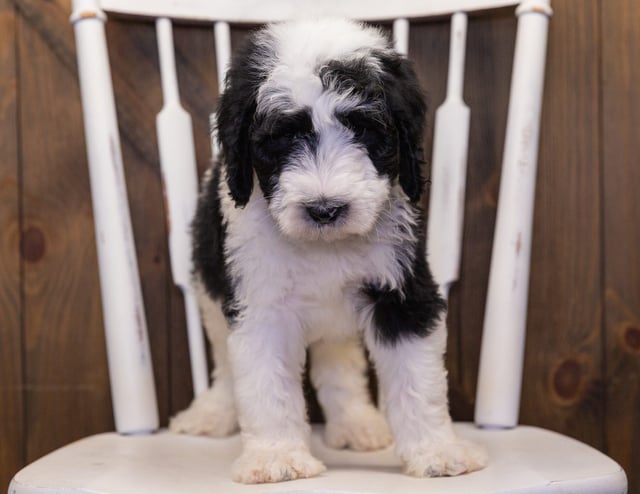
{"points": [[309, 234]]}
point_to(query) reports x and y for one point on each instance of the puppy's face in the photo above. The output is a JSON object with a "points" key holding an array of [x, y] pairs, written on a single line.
{"points": [[329, 119]]}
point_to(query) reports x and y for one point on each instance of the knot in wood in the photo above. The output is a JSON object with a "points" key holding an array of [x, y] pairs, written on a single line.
{"points": [[567, 380], [33, 244], [632, 338]]}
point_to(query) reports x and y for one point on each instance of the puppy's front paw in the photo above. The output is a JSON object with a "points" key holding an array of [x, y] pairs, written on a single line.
{"points": [[262, 465], [210, 414], [446, 459], [363, 430]]}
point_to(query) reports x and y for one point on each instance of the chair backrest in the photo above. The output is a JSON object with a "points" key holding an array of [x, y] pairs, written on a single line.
{"points": [[500, 374]]}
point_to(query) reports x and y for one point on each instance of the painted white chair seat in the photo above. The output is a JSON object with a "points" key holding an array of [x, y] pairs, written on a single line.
{"points": [[523, 460]]}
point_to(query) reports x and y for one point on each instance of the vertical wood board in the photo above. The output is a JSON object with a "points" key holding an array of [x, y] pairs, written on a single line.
{"points": [[65, 370], [429, 52], [138, 95], [12, 451], [621, 234], [490, 48], [563, 380], [195, 62]]}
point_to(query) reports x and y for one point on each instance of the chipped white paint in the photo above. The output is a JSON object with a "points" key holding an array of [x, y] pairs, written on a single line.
{"points": [[502, 353], [259, 11], [449, 167], [130, 370]]}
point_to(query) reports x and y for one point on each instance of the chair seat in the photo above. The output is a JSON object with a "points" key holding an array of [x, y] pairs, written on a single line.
{"points": [[524, 459]]}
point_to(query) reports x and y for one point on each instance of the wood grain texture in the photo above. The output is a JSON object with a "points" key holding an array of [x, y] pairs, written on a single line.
{"points": [[66, 382], [429, 51], [487, 69], [563, 380], [12, 450], [487, 78], [195, 61], [138, 98], [621, 155]]}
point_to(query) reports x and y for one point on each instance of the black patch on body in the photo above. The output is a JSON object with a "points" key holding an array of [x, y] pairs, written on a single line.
{"points": [[412, 311], [209, 233]]}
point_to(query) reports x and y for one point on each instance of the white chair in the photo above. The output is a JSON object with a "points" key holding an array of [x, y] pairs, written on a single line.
{"points": [[137, 459]]}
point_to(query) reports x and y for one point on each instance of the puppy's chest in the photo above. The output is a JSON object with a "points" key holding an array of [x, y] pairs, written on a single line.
{"points": [[328, 275], [321, 282], [310, 276], [325, 292]]}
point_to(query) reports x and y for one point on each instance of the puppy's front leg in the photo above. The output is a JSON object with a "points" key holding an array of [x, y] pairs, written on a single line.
{"points": [[414, 382], [267, 357]]}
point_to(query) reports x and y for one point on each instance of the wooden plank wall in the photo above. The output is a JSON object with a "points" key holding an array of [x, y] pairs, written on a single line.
{"points": [[12, 437], [582, 371], [621, 233]]}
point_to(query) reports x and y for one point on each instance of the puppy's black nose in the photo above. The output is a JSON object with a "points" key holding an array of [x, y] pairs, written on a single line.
{"points": [[324, 213]]}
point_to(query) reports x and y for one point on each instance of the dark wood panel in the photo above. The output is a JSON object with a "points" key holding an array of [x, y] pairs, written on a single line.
{"points": [[488, 65], [195, 61], [489, 58], [136, 84], [621, 156], [12, 451], [563, 380], [137, 88], [65, 369], [429, 50]]}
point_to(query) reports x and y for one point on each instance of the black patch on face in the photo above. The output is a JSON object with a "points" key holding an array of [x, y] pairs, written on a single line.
{"points": [[412, 312], [391, 129], [374, 133], [355, 75], [209, 233], [236, 114], [274, 138], [390, 122], [407, 108]]}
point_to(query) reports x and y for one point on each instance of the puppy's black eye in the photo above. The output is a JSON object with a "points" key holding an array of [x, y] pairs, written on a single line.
{"points": [[286, 132], [361, 123], [367, 130], [289, 135]]}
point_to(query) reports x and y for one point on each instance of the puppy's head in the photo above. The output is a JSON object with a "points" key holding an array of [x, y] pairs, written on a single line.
{"points": [[329, 119]]}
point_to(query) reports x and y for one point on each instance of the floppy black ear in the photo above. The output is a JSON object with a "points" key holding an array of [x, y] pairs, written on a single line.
{"points": [[407, 105], [235, 116]]}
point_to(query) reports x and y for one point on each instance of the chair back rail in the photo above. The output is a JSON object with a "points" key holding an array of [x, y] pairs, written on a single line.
{"points": [[499, 381], [259, 12]]}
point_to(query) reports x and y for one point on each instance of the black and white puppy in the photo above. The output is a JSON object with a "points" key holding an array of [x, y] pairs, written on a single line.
{"points": [[309, 234]]}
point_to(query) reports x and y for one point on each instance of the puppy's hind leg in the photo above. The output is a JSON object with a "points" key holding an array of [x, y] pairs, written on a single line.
{"points": [[338, 372], [212, 413]]}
